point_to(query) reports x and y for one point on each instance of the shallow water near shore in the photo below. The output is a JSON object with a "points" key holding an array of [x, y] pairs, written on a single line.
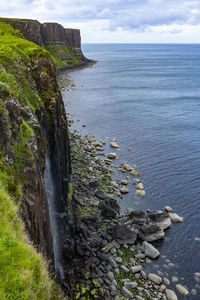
{"points": [[148, 97]]}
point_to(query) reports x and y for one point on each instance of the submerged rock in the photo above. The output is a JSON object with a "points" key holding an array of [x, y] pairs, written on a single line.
{"points": [[122, 235], [112, 155], [140, 186], [175, 217], [140, 192], [114, 145], [182, 289], [128, 167]]}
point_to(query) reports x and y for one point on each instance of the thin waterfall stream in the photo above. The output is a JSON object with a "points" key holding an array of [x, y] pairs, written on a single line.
{"points": [[51, 196]]}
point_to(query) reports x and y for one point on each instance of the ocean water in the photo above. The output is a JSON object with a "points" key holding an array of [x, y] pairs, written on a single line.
{"points": [[148, 97]]}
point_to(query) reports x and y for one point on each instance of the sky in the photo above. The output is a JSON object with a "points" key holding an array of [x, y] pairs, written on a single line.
{"points": [[116, 21]]}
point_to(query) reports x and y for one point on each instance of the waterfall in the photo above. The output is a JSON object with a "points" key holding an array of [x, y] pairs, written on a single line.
{"points": [[54, 216]]}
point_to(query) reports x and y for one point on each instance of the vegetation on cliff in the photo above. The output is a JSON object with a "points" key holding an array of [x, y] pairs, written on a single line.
{"points": [[23, 272], [25, 89]]}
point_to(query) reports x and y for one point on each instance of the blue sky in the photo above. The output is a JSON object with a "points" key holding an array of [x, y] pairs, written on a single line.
{"points": [[116, 21]]}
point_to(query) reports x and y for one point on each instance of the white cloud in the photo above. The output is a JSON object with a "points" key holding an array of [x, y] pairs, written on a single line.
{"points": [[122, 20]]}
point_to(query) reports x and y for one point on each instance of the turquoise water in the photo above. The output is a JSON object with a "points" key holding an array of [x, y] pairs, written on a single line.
{"points": [[148, 96]]}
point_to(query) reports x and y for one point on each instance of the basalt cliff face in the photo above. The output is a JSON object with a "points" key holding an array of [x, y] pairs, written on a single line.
{"points": [[63, 44], [33, 127]]}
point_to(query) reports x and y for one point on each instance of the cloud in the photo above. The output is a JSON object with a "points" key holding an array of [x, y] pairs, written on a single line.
{"points": [[111, 15]]}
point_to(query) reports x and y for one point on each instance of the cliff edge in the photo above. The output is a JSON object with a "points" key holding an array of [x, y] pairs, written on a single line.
{"points": [[64, 45]]}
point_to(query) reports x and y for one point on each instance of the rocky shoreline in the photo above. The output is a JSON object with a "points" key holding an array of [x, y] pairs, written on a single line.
{"points": [[114, 261]]}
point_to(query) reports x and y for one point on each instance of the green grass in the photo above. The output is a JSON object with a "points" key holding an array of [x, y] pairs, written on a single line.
{"points": [[23, 272]]}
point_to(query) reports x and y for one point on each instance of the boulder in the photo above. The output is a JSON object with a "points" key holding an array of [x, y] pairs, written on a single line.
{"points": [[101, 194], [150, 232], [108, 212], [182, 289], [128, 167], [140, 186], [112, 155], [149, 250], [135, 269], [170, 295], [126, 293], [140, 192], [124, 190], [162, 219], [138, 217], [155, 278], [122, 235], [114, 145], [124, 182], [168, 208], [175, 217], [113, 204]]}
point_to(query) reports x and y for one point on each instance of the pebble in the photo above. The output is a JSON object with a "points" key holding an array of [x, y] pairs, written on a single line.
{"points": [[140, 192], [124, 182], [166, 281], [112, 155], [140, 186], [110, 276], [174, 279]]}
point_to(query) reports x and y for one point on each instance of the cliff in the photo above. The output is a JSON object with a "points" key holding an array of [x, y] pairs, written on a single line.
{"points": [[63, 44], [33, 127]]}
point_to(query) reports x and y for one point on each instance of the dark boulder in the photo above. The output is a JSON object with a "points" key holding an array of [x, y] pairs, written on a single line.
{"points": [[113, 204], [107, 212], [151, 232], [101, 194], [138, 217], [122, 235]]}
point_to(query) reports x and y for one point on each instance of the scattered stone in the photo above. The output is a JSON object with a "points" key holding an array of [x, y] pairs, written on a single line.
{"points": [[128, 167], [140, 192], [140, 186], [114, 145], [170, 295], [182, 289], [155, 278], [124, 182], [135, 173], [101, 194], [129, 148], [112, 155], [124, 190], [130, 284], [150, 250], [168, 208], [118, 259], [135, 269], [175, 217], [126, 293], [110, 276], [125, 269], [166, 281]]}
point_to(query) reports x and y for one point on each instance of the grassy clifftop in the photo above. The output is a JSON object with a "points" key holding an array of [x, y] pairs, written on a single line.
{"points": [[23, 272]]}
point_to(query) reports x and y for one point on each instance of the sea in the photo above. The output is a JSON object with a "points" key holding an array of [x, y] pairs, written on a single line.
{"points": [[148, 97]]}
